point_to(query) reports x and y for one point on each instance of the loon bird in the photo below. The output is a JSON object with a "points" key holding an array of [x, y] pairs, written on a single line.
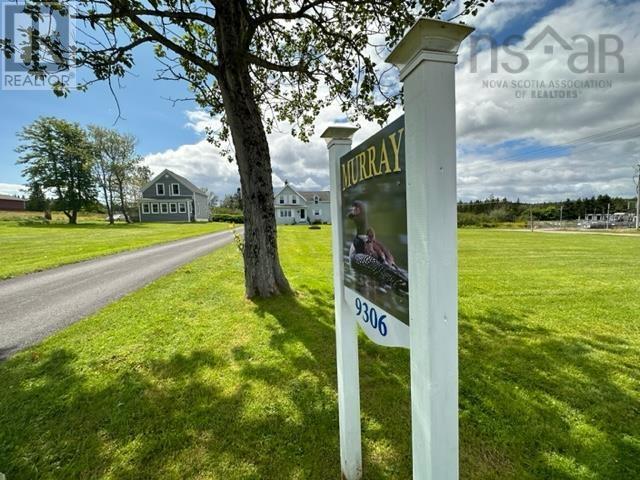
{"points": [[370, 257]]}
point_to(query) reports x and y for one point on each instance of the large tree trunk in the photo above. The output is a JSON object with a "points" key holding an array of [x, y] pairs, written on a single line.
{"points": [[72, 216], [262, 271]]}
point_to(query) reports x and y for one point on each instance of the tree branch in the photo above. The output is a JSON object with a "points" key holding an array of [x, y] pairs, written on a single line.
{"points": [[261, 62], [188, 55]]}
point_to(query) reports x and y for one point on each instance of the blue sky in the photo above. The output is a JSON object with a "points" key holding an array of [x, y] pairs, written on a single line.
{"points": [[156, 122], [496, 131]]}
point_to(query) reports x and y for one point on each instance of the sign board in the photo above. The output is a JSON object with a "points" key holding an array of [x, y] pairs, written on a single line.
{"points": [[374, 244], [378, 203]]}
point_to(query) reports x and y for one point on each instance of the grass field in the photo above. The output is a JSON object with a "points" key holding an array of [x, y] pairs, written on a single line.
{"points": [[24, 216], [28, 245], [187, 379]]}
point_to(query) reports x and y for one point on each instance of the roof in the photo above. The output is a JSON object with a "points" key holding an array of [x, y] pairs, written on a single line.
{"points": [[323, 196], [11, 197], [310, 196], [186, 182]]}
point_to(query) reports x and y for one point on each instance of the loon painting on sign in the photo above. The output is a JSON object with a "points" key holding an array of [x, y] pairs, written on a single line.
{"points": [[373, 188]]}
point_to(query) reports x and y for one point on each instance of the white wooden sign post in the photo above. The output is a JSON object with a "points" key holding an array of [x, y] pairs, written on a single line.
{"points": [[339, 143], [424, 144]]}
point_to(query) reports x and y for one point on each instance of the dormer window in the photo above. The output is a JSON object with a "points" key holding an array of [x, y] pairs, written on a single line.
{"points": [[175, 189], [316, 199], [159, 188]]}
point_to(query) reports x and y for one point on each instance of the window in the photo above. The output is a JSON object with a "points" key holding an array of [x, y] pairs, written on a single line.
{"points": [[173, 208], [317, 213], [175, 189], [145, 208], [316, 199], [163, 208], [159, 188], [281, 199], [154, 208], [293, 200], [182, 208], [285, 213]]}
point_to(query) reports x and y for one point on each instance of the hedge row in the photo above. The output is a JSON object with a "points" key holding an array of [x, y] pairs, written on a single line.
{"points": [[228, 218]]}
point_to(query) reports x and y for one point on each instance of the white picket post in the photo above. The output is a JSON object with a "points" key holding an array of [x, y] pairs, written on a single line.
{"points": [[339, 143], [427, 55]]}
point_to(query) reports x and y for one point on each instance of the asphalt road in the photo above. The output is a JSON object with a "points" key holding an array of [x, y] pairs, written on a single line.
{"points": [[34, 306]]}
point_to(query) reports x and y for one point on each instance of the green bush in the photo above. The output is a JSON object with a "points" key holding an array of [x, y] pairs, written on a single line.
{"points": [[228, 218], [225, 211], [467, 219]]}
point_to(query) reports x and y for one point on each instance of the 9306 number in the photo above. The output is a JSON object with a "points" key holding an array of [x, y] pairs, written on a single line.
{"points": [[370, 315]]}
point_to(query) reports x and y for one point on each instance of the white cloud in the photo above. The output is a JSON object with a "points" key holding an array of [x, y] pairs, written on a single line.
{"points": [[200, 121], [490, 120], [201, 163], [12, 189], [494, 17], [490, 115]]}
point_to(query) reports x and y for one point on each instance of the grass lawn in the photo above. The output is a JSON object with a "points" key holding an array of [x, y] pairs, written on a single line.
{"points": [[28, 246], [187, 379]]}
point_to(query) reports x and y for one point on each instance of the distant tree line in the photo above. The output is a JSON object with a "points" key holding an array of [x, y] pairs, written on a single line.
{"points": [[495, 210], [70, 168]]}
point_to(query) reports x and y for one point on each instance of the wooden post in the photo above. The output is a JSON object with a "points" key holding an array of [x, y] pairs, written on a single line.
{"points": [[427, 55], [339, 143]]}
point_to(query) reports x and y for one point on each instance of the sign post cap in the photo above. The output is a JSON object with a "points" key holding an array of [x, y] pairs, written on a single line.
{"points": [[431, 35], [339, 132]]}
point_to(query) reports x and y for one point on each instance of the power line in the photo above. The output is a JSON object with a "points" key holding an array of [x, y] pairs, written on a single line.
{"points": [[604, 136]]}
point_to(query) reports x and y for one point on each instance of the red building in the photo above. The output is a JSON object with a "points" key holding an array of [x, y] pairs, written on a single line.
{"points": [[7, 202]]}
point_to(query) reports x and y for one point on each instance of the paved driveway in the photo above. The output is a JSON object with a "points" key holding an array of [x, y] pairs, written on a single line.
{"points": [[36, 305]]}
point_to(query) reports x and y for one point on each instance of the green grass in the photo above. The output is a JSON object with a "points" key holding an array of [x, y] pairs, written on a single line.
{"points": [[28, 246], [56, 217], [187, 379]]}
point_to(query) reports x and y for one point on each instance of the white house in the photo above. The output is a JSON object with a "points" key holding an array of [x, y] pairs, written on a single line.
{"points": [[293, 206]]}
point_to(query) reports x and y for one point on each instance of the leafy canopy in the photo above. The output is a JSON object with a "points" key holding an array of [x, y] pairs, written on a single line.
{"points": [[301, 54]]}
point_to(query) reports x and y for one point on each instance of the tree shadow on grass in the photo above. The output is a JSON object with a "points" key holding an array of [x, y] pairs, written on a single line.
{"points": [[166, 418], [538, 403], [157, 420], [533, 404], [384, 378]]}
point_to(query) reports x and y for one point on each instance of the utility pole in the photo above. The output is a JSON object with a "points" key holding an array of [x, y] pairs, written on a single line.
{"points": [[531, 216], [561, 207], [608, 208], [636, 179]]}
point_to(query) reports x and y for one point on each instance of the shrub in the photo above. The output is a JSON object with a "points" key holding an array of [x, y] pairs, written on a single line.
{"points": [[228, 218], [225, 211], [467, 219]]}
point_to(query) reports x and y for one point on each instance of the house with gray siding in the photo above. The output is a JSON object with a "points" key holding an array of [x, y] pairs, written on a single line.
{"points": [[172, 198], [294, 206]]}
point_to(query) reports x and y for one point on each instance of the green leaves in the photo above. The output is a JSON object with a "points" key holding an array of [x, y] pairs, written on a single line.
{"points": [[301, 55], [57, 155]]}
